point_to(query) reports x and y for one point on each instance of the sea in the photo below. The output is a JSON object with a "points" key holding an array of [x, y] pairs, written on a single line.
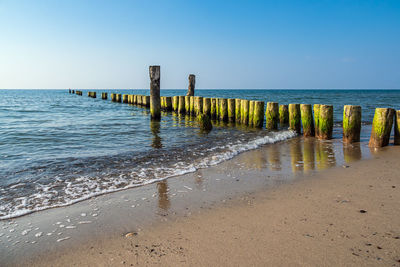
{"points": [[58, 148]]}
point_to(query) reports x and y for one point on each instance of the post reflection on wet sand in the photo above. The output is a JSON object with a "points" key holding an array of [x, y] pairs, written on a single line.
{"points": [[352, 152], [274, 158], [155, 130], [163, 200], [256, 160], [296, 155], [309, 154], [325, 155]]}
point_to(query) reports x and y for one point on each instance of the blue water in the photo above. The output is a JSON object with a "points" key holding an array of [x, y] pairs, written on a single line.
{"points": [[58, 148]]}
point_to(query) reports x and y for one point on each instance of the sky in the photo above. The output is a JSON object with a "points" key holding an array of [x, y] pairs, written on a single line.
{"points": [[226, 44]]}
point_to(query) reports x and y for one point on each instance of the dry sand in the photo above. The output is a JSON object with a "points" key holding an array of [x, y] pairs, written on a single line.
{"points": [[339, 217]]}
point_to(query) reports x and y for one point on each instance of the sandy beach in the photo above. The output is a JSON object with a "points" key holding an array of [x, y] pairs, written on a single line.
{"points": [[344, 216]]}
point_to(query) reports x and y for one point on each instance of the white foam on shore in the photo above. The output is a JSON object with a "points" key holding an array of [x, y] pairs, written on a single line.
{"points": [[85, 188]]}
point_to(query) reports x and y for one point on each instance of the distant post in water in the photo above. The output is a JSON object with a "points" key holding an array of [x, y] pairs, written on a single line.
{"points": [[191, 105], [397, 128], [207, 106], [113, 97], [237, 110], [187, 104], [103, 95], [351, 124], [307, 120], [294, 118], [155, 102], [125, 98], [192, 82], [223, 109], [244, 111], [258, 118], [181, 104], [198, 105], [251, 112], [325, 122], [231, 109], [213, 108], [175, 103], [272, 116], [168, 103], [283, 115], [381, 127], [118, 98]]}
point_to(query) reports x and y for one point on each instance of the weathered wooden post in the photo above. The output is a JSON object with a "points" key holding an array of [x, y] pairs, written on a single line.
{"points": [[217, 107], [307, 120], [283, 115], [104, 96], [192, 81], [251, 112], [191, 110], [125, 98], [237, 110], [272, 116], [381, 127], [294, 118], [397, 128], [73, 91], [351, 123], [168, 103], [207, 106], [187, 104], [118, 98], [325, 122], [205, 124], [316, 109], [175, 103], [139, 100], [181, 104], [146, 101], [198, 105], [223, 109], [231, 109], [155, 101], [134, 99], [244, 111], [213, 108], [258, 117], [113, 97]]}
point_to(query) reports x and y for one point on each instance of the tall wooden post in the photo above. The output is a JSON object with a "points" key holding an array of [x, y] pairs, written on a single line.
{"points": [[155, 105], [192, 82], [307, 120], [351, 124], [381, 127], [272, 116], [325, 122], [258, 117]]}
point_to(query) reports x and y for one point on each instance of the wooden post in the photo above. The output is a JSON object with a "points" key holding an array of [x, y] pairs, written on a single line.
{"points": [[397, 128], [316, 109], [155, 105], [134, 99], [139, 100], [191, 105], [192, 81], [104, 96], [244, 111], [198, 105], [168, 103], [73, 91], [207, 106], [325, 122], [351, 124], [272, 116], [147, 101], [125, 98], [175, 103], [217, 107], [181, 104], [283, 115], [231, 109], [251, 112], [118, 98], [237, 110], [381, 127], [223, 109], [187, 104], [307, 120], [113, 97], [213, 108], [258, 118], [294, 118]]}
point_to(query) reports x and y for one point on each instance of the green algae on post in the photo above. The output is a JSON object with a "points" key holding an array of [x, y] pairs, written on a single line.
{"points": [[283, 115], [181, 104], [207, 106], [192, 82], [325, 122], [397, 128], [175, 103], [251, 112], [294, 118], [231, 109], [381, 127], [351, 123], [244, 111], [155, 105], [213, 108], [191, 110], [187, 104], [258, 115], [198, 105], [272, 116], [307, 120], [125, 99], [118, 98], [168, 103], [223, 109], [205, 124], [316, 109], [237, 110], [104, 96]]}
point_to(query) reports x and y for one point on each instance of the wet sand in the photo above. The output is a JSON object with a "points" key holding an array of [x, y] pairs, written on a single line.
{"points": [[294, 203]]}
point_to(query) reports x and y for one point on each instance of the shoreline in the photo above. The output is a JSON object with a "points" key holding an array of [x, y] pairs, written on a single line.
{"points": [[179, 199]]}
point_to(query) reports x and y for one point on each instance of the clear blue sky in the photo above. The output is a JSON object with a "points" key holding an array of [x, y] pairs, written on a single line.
{"points": [[227, 44]]}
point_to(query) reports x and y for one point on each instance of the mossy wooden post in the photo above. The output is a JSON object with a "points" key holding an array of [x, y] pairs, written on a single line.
{"points": [[192, 82], [168, 103], [139, 100], [104, 96], [251, 112], [113, 97], [231, 109], [198, 105], [134, 99], [181, 104], [124, 98], [147, 101], [325, 122], [294, 118], [381, 127], [307, 120], [175, 103], [155, 101], [397, 128], [237, 110], [258, 117], [223, 109], [191, 109], [316, 109], [283, 115], [213, 108], [244, 111], [217, 103], [207, 106], [272, 116], [351, 124], [118, 98], [187, 104]]}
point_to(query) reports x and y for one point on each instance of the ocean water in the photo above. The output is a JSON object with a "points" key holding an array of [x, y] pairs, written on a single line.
{"points": [[58, 148]]}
